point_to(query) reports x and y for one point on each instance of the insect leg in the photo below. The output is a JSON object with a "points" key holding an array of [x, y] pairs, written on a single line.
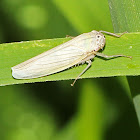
{"points": [[113, 34], [89, 64], [70, 36], [111, 56]]}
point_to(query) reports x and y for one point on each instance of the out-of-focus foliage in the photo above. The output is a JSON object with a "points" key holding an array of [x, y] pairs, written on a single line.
{"points": [[128, 19], [93, 109], [125, 15]]}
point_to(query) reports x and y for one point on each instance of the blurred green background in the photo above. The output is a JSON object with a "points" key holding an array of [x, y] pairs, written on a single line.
{"points": [[95, 109]]}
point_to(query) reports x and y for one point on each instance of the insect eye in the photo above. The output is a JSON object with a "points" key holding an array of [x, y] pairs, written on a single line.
{"points": [[104, 36], [98, 36]]}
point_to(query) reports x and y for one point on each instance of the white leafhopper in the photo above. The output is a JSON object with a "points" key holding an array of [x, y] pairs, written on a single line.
{"points": [[79, 50]]}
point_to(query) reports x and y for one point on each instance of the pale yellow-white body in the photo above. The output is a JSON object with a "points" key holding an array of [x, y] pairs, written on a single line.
{"points": [[78, 50]]}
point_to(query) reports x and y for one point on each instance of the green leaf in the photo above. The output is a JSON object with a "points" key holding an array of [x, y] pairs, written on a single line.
{"points": [[125, 17], [12, 54]]}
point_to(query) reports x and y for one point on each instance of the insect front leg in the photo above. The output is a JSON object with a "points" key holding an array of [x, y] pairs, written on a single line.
{"points": [[113, 34], [111, 56], [89, 64]]}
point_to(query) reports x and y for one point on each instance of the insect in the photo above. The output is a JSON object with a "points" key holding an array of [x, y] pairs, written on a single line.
{"points": [[81, 49]]}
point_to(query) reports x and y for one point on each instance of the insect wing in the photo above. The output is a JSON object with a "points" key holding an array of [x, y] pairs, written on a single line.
{"points": [[52, 61]]}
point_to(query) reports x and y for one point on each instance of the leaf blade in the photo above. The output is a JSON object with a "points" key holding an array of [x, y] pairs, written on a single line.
{"points": [[14, 53]]}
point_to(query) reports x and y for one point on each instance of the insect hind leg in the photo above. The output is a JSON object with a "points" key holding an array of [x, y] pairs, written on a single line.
{"points": [[89, 64]]}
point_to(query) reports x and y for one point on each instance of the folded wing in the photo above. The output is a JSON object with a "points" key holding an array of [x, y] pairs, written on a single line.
{"points": [[49, 62]]}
